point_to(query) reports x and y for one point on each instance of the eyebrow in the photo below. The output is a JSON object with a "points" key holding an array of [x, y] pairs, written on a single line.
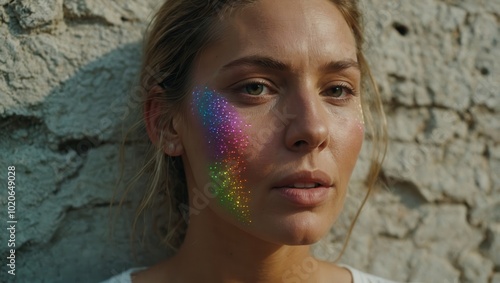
{"points": [[338, 66], [273, 64]]}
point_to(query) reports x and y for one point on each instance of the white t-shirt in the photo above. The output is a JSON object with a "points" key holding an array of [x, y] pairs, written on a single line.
{"points": [[361, 277], [357, 276]]}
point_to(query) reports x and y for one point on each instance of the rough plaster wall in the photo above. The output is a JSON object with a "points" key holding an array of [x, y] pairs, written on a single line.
{"points": [[67, 69]]}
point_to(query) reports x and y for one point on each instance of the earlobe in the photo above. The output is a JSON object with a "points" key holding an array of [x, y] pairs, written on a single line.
{"points": [[173, 148], [160, 124]]}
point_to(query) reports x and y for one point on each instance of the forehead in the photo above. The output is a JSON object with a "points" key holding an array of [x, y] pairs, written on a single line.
{"points": [[301, 33]]}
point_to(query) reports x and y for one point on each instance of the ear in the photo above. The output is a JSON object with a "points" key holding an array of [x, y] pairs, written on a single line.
{"points": [[163, 128]]}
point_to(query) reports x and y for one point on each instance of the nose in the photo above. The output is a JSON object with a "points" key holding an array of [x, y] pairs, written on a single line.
{"points": [[308, 130]]}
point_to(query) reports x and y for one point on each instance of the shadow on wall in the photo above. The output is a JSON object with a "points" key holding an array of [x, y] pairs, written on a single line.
{"points": [[66, 159]]}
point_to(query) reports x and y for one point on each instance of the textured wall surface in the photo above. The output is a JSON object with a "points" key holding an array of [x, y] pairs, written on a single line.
{"points": [[67, 68]]}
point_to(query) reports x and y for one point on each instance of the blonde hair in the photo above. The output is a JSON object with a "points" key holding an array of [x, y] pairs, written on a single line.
{"points": [[178, 32]]}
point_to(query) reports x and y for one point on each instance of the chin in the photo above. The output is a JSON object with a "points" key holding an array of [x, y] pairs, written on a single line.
{"points": [[301, 240], [300, 237], [298, 229]]}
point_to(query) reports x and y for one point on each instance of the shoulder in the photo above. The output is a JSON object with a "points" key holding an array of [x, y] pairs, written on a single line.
{"points": [[124, 277], [361, 277]]}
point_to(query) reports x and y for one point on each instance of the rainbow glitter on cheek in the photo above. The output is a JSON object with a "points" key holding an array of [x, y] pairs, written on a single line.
{"points": [[226, 141]]}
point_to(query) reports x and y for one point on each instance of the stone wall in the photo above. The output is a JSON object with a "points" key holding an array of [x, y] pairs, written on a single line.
{"points": [[67, 70]]}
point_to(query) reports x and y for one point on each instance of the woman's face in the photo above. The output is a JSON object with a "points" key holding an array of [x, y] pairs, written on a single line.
{"points": [[275, 124]]}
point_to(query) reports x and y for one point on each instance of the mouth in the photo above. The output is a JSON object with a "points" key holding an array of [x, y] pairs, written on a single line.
{"points": [[301, 186], [305, 188], [305, 180]]}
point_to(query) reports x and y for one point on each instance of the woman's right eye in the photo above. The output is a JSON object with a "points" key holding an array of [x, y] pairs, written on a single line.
{"points": [[254, 88]]}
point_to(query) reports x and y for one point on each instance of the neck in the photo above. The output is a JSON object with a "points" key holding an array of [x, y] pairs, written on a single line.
{"points": [[222, 252]]}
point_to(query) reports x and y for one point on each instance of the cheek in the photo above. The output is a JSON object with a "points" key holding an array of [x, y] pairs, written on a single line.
{"points": [[222, 127], [352, 142], [225, 140], [347, 141], [356, 128], [359, 118]]}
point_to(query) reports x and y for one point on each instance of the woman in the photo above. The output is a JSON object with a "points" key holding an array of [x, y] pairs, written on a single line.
{"points": [[256, 111]]}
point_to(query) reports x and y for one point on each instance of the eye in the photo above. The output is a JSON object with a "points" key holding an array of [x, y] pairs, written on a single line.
{"points": [[254, 88], [339, 91]]}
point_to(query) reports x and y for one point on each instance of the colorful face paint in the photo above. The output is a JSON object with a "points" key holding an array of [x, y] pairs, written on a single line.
{"points": [[223, 130]]}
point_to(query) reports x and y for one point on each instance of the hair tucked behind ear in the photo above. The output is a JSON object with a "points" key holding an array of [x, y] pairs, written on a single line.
{"points": [[179, 31]]}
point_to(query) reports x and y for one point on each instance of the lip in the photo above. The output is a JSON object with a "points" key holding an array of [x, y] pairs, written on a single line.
{"points": [[305, 197], [316, 176]]}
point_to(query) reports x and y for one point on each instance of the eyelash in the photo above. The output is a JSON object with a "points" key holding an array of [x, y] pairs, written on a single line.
{"points": [[350, 91], [241, 87]]}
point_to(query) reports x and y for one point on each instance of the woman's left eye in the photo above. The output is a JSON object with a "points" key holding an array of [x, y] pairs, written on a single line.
{"points": [[339, 91]]}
